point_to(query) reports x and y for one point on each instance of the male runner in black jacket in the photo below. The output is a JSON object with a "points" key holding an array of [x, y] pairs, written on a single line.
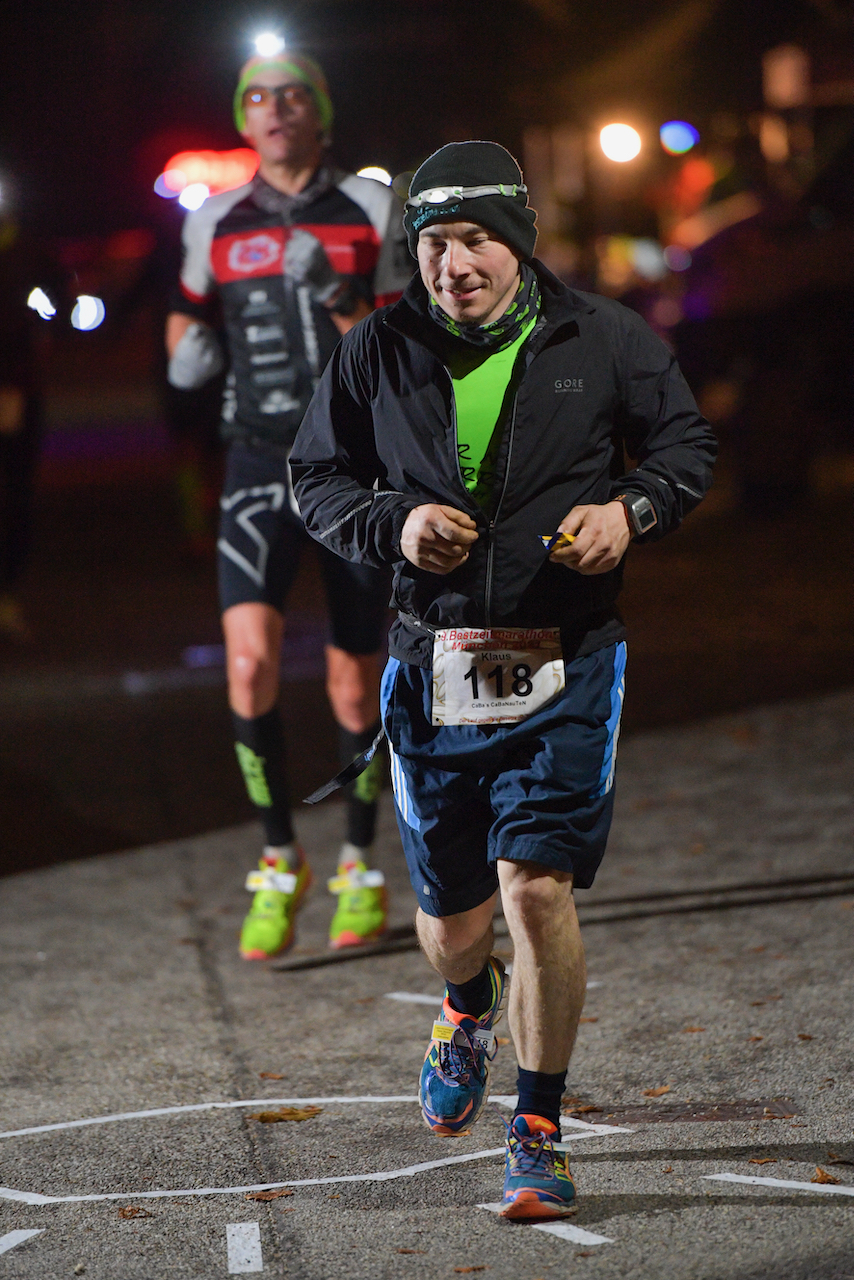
{"points": [[455, 435], [293, 259]]}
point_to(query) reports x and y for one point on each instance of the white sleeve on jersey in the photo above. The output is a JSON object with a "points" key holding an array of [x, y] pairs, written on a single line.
{"points": [[197, 278], [395, 266]]}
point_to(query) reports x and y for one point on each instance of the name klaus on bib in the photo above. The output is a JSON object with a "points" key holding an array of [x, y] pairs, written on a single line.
{"points": [[494, 675]]}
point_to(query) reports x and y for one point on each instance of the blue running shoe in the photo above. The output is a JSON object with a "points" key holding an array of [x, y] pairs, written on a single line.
{"points": [[537, 1180], [455, 1074]]}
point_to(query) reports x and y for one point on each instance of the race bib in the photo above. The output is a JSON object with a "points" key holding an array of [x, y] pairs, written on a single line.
{"points": [[495, 676]]}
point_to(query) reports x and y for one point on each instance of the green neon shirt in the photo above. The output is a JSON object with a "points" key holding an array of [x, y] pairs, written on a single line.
{"points": [[479, 393]]}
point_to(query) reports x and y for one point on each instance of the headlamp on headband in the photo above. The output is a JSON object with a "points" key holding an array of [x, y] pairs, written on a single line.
{"points": [[442, 195]]}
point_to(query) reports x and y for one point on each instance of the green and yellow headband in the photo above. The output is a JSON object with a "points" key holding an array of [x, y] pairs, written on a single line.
{"points": [[300, 68]]}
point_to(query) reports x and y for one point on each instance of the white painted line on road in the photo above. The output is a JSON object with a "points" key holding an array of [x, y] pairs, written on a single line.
{"points": [[200, 1106], [412, 997], [564, 1230], [818, 1188], [12, 1238], [569, 1122], [386, 1176], [25, 1197], [6, 1193], [502, 1099], [416, 997], [243, 1242]]}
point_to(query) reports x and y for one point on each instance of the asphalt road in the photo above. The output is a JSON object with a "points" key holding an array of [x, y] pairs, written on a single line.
{"points": [[717, 1041]]}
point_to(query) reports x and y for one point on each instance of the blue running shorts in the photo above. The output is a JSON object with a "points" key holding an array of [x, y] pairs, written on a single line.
{"points": [[538, 791]]}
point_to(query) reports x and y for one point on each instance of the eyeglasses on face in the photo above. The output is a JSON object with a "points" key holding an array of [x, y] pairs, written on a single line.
{"points": [[295, 95]]}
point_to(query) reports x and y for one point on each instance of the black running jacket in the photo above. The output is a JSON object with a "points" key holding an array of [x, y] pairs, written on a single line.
{"points": [[591, 385]]}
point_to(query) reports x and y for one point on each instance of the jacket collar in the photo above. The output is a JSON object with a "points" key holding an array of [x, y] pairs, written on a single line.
{"points": [[560, 305]]}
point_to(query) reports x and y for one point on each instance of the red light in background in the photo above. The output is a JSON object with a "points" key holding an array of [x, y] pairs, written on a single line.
{"points": [[216, 170]]}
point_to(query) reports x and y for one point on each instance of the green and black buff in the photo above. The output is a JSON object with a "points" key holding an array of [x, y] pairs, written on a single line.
{"points": [[504, 331]]}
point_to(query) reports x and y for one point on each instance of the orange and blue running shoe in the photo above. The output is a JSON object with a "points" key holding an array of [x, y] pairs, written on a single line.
{"points": [[537, 1180], [455, 1073]]}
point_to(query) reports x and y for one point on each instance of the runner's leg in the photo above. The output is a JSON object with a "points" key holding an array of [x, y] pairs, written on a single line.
{"points": [[259, 541], [357, 596]]}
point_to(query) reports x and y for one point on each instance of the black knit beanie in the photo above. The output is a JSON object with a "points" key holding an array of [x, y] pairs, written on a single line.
{"points": [[472, 164]]}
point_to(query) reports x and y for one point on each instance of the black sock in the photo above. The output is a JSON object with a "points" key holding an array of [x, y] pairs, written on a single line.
{"points": [[260, 748], [473, 997], [361, 794], [540, 1094]]}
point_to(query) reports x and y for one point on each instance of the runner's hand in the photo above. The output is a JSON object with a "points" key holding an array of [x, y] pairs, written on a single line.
{"points": [[437, 538], [306, 263], [602, 534]]}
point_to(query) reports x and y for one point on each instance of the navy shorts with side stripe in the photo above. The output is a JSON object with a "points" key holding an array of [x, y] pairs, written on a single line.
{"points": [[540, 791]]}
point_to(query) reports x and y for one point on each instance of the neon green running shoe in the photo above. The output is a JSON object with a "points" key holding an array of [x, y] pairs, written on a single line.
{"points": [[269, 926], [361, 913]]}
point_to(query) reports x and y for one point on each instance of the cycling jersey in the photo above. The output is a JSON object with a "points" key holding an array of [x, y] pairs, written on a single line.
{"points": [[279, 340]]}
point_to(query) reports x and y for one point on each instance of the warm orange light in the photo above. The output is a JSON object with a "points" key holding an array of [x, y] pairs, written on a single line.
{"points": [[216, 170]]}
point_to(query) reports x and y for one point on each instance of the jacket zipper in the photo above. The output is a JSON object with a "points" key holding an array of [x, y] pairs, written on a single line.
{"points": [[487, 592], [456, 439]]}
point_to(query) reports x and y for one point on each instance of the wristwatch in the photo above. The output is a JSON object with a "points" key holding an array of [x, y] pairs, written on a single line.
{"points": [[640, 511]]}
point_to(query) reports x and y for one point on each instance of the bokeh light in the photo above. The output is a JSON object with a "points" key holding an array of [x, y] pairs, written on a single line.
{"points": [[677, 137], [677, 258], [39, 302], [268, 44], [194, 196], [620, 142], [88, 312], [216, 170], [378, 174]]}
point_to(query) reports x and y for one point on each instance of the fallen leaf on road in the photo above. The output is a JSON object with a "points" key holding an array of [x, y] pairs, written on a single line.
{"points": [[134, 1211], [587, 1254], [825, 1178], [286, 1113], [755, 1004], [669, 1169], [777, 1115], [803, 1036], [583, 1111], [337, 1196], [687, 1030], [269, 1195], [833, 1158], [412, 1251], [588, 1019], [269, 1075], [566, 1101], [502, 1040], [464, 1271], [657, 1093], [764, 1160], [753, 1039]]}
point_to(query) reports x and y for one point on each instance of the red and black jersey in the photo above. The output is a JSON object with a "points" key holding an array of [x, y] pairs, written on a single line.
{"points": [[279, 341]]}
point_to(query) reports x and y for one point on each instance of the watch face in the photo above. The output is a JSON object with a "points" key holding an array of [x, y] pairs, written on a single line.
{"points": [[644, 514]]}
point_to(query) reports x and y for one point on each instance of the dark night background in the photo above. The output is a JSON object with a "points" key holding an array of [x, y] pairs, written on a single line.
{"points": [[115, 726], [97, 95]]}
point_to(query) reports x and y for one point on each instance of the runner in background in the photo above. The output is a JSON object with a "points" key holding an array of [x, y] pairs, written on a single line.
{"points": [[287, 264]]}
